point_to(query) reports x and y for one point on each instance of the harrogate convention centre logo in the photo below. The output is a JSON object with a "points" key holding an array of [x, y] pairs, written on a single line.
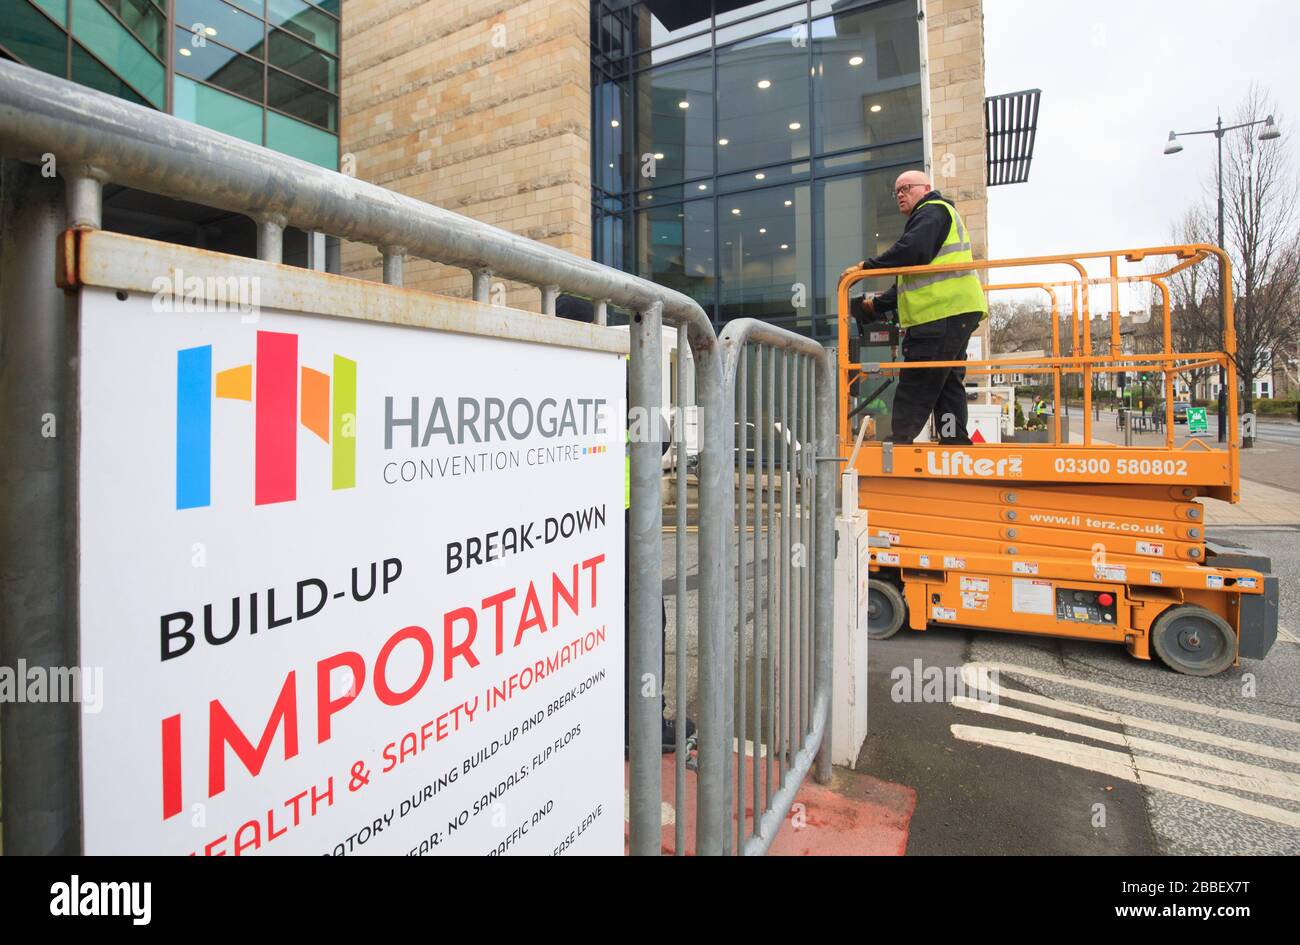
{"points": [[282, 395]]}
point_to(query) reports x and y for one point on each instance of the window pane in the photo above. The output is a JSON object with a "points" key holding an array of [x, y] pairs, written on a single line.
{"points": [[664, 54], [57, 9], [305, 21], [751, 9], [255, 7], [867, 86], [211, 19], [675, 248], [89, 71], [118, 49], [218, 65], [217, 110], [329, 6], [34, 39], [302, 141], [143, 17], [764, 177], [677, 21], [301, 100], [675, 119], [762, 102], [793, 19], [766, 264], [612, 137], [857, 218], [304, 61]]}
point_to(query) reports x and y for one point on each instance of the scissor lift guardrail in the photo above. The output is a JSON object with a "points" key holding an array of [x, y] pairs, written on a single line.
{"points": [[1086, 539]]}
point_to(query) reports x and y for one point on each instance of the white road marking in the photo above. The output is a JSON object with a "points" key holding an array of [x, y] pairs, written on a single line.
{"points": [[1286, 636], [1263, 721], [1227, 773], [1000, 694], [1118, 765]]}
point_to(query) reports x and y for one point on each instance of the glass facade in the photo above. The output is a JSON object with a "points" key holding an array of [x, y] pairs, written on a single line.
{"points": [[266, 71], [746, 154]]}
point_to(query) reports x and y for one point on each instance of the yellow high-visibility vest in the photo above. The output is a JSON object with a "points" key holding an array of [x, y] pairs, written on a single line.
{"points": [[927, 298]]}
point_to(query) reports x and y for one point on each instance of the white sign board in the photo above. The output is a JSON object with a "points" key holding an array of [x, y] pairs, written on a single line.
{"points": [[355, 588]]}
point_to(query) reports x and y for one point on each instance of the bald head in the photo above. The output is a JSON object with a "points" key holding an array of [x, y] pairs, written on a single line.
{"points": [[910, 187]]}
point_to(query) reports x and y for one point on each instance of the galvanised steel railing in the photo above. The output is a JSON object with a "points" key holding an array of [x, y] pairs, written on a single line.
{"points": [[96, 139]]}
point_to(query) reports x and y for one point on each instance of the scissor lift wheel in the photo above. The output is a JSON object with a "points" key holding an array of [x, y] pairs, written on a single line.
{"points": [[886, 609], [1194, 641]]}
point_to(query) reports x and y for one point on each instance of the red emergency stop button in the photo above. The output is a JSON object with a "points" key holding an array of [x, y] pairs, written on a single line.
{"points": [[1105, 599]]}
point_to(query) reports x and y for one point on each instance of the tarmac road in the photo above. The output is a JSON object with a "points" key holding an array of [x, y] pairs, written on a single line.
{"points": [[1181, 765], [1100, 754]]}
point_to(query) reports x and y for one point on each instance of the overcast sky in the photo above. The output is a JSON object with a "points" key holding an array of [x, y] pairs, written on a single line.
{"points": [[1117, 76]]}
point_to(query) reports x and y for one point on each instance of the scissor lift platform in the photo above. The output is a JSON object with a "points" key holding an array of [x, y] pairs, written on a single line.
{"points": [[1083, 540]]}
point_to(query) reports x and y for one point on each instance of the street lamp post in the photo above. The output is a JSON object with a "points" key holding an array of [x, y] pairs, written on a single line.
{"points": [[1173, 147]]}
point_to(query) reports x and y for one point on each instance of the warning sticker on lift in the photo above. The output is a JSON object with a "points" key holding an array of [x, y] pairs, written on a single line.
{"points": [[975, 584], [974, 601], [1214, 580], [1154, 548], [943, 613], [1110, 572], [1031, 596], [894, 537], [1157, 577], [1247, 582], [1024, 567], [925, 561], [886, 557]]}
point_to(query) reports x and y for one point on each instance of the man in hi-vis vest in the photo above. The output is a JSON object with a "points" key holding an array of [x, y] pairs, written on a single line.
{"points": [[937, 312]]}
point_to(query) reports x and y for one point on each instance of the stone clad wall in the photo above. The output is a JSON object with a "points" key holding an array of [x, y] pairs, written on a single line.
{"points": [[481, 108], [955, 35]]}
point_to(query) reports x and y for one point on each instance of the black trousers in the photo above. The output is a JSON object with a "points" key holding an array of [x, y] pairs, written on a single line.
{"points": [[937, 391]]}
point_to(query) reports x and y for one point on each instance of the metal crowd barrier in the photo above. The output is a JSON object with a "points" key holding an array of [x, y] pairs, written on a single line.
{"points": [[97, 139], [781, 597]]}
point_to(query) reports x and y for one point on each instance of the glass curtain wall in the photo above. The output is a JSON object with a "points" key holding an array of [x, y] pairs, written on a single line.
{"points": [[744, 155], [266, 71]]}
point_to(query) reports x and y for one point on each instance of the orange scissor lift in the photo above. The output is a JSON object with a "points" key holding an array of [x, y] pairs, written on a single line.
{"points": [[1087, 540]]}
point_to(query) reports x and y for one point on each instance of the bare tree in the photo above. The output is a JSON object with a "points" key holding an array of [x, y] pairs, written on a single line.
{"points": [[1195, 319], [1262, 233]]}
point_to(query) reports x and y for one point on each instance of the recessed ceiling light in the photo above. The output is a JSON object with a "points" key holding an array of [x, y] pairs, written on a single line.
{"points": [[211, 31], [613, 123], [183, 51], [785, 245], [788, 202], [704, 186], [736, 211], [723, 142], [759, 176], [649, 196], [659, 156], [795, 126], [764, 83], [762, 229], [855, 61], [611, 165], [875, 108], [683, 104]]}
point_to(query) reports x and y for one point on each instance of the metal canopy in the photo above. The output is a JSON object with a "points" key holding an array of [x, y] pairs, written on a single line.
{"points": [[1012, 122]]}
